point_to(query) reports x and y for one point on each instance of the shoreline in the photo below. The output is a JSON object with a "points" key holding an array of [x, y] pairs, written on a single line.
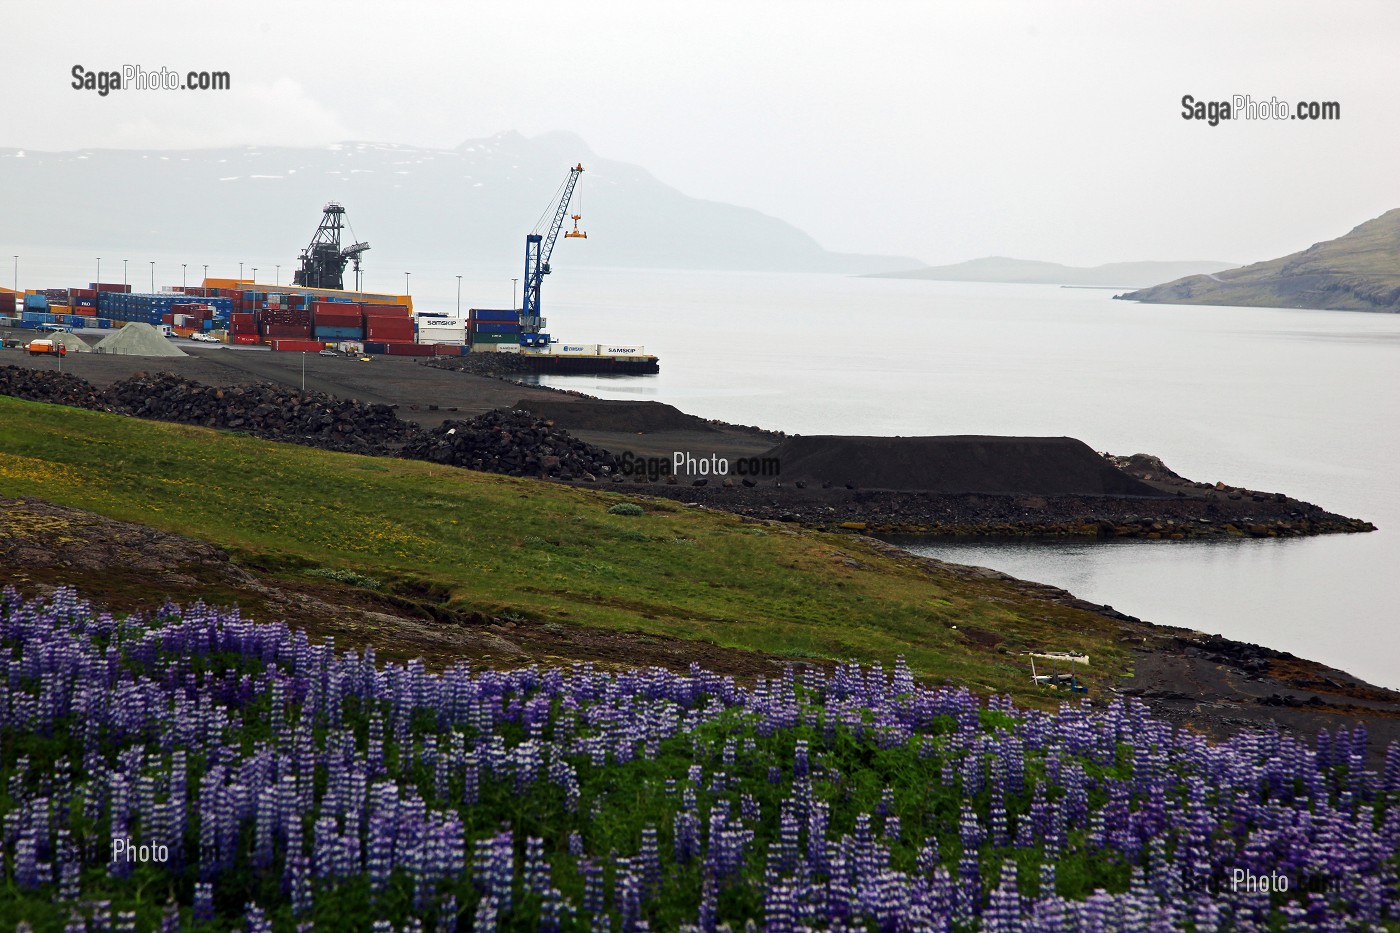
{"points": [[1213, 685]]}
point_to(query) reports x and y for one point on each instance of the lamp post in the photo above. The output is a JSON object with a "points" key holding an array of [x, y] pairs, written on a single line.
{"points": [[206, 273], [405, 284], [512, 293], [182, 274], [277, 279], [240, 272], [17, 275], [124, 262], [99, 273], [255, 276], [459, 297], [153, 276]]}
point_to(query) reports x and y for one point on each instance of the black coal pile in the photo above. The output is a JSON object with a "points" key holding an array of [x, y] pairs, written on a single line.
{"points": [[268, 411], [512, 442], [56, 388]]}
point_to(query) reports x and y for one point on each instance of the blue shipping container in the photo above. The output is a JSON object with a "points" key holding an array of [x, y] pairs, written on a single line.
{"points": [[480, 314], [337, 333], [481, 328]]}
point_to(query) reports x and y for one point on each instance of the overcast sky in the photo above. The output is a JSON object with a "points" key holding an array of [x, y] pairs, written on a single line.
{"points": [[943, 131]]}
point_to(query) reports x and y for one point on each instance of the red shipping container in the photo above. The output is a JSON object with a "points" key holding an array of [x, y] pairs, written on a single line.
{"points": [[86, 312], [329, 318], [386, 310], [253, 339], [389, 323], [409, 349], [298, 346], [286, 330], [167, 318]]}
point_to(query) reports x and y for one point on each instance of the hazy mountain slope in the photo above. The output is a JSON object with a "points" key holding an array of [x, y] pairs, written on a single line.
{"points": [[1030, 271], [474, 202], [1356, 272]]}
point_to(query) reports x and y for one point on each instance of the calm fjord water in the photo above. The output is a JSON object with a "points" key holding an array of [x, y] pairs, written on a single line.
{"points": [[1302, 402]]}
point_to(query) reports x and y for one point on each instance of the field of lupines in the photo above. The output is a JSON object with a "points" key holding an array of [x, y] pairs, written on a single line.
{"points": [[291, 787]]}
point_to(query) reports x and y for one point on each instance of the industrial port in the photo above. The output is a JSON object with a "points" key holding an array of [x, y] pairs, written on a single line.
{"points": [[318, 314]]}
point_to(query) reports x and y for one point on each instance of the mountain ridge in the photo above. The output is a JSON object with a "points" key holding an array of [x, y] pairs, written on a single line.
{"points": [[1358, 271], [477, 199], [1007, 270]]}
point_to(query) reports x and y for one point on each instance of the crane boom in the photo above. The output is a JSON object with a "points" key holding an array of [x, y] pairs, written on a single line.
{"points": [[538, 248]]}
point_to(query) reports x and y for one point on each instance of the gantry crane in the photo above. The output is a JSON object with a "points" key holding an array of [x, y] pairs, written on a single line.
{"points": [[538, 247], [323, 261]]}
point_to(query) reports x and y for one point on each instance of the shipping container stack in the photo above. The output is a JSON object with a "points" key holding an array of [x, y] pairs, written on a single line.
{"points": [[490, 329], [285, 320], [191, 317], [159, 307], [336, 322], [442, 329], [388, 329]]}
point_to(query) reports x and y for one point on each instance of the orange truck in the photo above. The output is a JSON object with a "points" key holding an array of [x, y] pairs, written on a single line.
{"points": [[37, 347]]}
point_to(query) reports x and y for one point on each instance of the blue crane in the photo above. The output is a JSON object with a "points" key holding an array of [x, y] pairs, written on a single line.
{"points": [[538, 248]]}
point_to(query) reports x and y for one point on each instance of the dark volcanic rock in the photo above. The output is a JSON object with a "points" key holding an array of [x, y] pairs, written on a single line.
{"points": [[42, 386], [515, 443], [957, 464], [267, 411]]}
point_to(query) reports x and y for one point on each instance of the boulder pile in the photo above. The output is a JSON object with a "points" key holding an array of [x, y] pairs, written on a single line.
{"points": [[515, 443], [269, 411], [512, 442], [48, 386]]}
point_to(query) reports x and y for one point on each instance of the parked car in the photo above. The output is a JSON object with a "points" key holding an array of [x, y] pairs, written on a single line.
{"points": [[329, 352]]}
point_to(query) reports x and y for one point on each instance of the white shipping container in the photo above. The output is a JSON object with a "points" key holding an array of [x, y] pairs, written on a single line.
{"points": [[614, 350], [441, 322], [574, 349]]}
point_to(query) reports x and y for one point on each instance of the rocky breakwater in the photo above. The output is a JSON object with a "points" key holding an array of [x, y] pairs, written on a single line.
{"points": [[53, 387], [267, 411], [515, 443], [998, 487]]}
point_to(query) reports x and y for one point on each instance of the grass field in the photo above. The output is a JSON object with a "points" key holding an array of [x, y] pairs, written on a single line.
{"points": [[540, 553]]}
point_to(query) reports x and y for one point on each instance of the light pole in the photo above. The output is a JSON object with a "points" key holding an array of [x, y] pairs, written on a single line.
{"points": [[17, 275], [98, 283], [153, 276], [240, 272], [512, 293], [459, 297], [405, 284], [124, 262], [255, 276], [277, 279], [182, 274], [206, 273]]}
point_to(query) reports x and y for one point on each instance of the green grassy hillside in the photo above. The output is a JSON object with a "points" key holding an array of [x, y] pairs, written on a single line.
{"points": [[1356, 272], [540, 553]]}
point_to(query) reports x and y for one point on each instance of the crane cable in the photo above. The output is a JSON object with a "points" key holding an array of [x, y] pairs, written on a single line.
{"points": [[549, 210]]}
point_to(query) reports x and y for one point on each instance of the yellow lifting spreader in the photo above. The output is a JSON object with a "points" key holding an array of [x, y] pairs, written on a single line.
{"points": [[576, 231]]}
